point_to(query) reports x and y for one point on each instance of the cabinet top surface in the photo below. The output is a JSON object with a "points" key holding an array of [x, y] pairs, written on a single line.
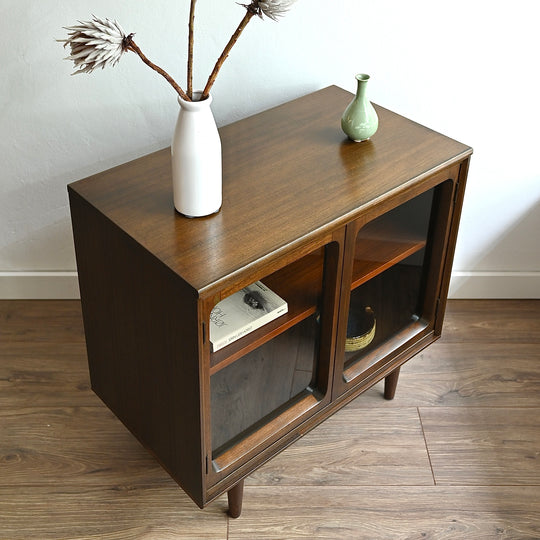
{"points": [[289, 174]]}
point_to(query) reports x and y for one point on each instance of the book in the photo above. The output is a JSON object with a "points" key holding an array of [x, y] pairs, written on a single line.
{"points": [[242, 312]]}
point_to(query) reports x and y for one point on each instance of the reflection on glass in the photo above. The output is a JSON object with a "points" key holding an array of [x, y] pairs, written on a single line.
{"points": [[268, 371], [389, 265], [261, 382]]}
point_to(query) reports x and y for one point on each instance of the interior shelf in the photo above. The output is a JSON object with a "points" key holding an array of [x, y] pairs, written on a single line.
{"points": [[380, 245], [300, 284]]}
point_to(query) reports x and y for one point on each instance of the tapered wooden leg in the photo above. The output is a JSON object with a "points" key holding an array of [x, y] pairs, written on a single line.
{"points": [[390, 384], [235, 496]]}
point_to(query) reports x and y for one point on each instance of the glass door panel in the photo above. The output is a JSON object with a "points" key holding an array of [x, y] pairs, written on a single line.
{"points": [[388, 285], [277, 374], [261, 382]]}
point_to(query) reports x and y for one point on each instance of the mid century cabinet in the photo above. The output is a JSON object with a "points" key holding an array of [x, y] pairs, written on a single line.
{"points": [[332, 226]]}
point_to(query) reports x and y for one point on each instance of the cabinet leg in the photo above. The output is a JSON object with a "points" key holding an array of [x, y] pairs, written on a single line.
{"points": [[235, 496], [390, 384]]}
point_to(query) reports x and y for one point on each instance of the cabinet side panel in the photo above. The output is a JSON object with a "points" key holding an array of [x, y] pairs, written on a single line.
{"points": [[140, 321]]}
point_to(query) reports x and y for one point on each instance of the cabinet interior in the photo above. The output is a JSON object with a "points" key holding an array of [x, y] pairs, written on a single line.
{"points": [[300, 284]]}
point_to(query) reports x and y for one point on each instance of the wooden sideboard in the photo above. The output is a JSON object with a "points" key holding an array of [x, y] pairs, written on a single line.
{"points": [[334, 227]]}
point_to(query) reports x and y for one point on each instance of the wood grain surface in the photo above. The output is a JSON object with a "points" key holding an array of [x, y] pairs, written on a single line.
{"points": [[382, 447], [398, 513], [483, 446], [107, 512], [329, 173], [455, 455]]}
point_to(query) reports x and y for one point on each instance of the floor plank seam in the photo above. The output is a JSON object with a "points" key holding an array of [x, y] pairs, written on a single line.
{"points": [[491, 407], [356, 486], [439, 487], [426, 445]]}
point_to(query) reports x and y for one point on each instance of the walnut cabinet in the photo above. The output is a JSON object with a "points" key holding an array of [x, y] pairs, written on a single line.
{"points": [[334, 227]]}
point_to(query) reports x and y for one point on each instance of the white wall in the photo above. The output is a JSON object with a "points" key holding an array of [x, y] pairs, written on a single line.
{"points": [[468, 69]]}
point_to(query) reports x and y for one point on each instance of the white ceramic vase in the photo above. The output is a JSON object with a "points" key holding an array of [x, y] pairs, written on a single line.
{"points": [[196, 159]]}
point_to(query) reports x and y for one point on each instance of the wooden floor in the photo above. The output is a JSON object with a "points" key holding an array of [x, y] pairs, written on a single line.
{"points": [[455, 455]]}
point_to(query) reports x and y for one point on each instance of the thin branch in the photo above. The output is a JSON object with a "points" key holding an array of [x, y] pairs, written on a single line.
{"points": [[190, 50], [130, 45], [226, 51]]}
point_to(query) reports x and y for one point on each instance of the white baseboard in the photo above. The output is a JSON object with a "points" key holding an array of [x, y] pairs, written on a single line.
{"points": [[494, 285], [38, 285], [64, 285]]}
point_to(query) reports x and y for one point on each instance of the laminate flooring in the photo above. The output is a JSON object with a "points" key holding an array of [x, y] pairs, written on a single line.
{"points": [[456, 454]]}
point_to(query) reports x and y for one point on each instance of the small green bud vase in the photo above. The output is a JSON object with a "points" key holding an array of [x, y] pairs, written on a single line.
{"points": [[360, 121]]}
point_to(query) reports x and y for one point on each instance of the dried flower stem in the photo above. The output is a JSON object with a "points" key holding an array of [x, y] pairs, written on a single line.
{"points": [[190, 50], [212, 79], [131, 46]]}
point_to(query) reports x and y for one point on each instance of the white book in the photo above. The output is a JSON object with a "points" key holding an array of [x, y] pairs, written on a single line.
{"points": [[242, 312]]}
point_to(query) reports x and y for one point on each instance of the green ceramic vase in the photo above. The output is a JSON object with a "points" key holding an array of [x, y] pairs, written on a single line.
{"points": [[360, 121]]}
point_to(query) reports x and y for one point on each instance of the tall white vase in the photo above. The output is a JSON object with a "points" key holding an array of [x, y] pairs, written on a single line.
{"points": [[196, 159]]}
